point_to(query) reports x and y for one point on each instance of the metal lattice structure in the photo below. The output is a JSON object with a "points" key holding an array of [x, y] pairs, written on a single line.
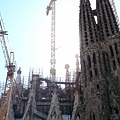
{"points": [[51, 6], [6, 97]]}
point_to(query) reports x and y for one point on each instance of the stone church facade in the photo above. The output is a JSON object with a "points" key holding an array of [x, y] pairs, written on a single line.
{"points": [[100, 62]]}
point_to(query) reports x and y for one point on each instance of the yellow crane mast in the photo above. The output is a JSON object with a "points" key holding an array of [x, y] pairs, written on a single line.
{"points": [[5, 111]]}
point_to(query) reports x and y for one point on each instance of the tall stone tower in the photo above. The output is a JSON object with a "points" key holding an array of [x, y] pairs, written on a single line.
{"points": [[100, 61]]}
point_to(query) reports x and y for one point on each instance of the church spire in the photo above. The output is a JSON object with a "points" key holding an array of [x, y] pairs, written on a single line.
{"points": [[88, 28], [107, 24], [88, 39]]}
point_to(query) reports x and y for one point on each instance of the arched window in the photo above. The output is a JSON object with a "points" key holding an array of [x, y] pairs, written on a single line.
{"points": [[92, 116], [104, 62], [89, 62], [89, 67], [111, 51], [94, 61], [94, 58], [99, 60], [108, 62], [85, 76], [116, 48], [114, 65]]}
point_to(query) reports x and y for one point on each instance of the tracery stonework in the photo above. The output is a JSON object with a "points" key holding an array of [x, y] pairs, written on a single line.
{"points": [[100, 61]]}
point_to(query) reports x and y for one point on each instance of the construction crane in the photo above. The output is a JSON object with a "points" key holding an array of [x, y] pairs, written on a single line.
{"points": [[5, 107], [51, 6]]}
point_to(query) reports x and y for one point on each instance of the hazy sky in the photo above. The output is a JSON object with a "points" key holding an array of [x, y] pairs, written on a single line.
{"points": [[29, 30]]}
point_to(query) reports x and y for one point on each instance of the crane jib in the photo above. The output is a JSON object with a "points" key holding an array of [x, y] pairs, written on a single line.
{"points": [[7, 95]]}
